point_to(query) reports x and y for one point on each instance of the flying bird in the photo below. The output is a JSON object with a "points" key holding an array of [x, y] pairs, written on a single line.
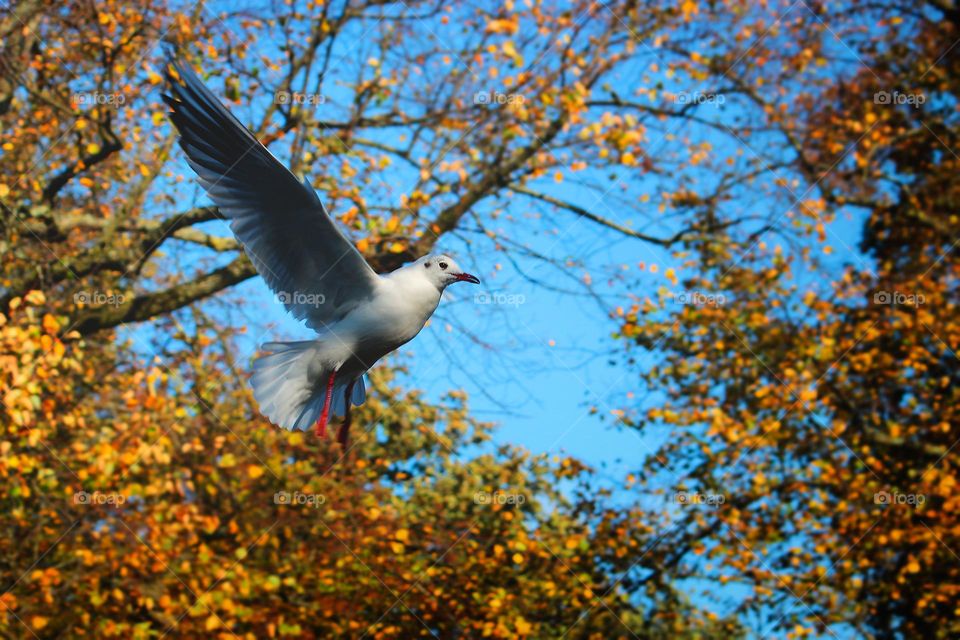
{"points": [[312, 268]]}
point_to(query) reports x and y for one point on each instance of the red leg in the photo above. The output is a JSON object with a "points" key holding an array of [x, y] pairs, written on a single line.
{"points": [[345, 427], [322, 420]]}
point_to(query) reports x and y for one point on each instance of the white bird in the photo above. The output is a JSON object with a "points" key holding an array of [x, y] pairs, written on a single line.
{"points": [[313, 269]]}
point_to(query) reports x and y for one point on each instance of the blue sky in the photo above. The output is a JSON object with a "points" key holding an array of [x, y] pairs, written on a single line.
{"points": [[546, 356], [537, 361]]}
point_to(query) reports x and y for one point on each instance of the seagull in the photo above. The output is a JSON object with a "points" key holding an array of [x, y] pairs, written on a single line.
{"points": [[310, 265]]}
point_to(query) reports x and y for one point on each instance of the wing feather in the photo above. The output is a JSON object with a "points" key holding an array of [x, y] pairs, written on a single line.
{"points": [[295, 245]]}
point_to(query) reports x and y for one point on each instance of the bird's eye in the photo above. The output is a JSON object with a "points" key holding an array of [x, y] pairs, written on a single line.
{"points": [[443, 265], [426, 265]]}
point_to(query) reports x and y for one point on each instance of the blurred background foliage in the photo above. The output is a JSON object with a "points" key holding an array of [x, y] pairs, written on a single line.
{"points": [[751, 142]]}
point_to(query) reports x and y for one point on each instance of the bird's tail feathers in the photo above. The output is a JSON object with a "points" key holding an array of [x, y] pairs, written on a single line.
{"points": [[289, 384]]}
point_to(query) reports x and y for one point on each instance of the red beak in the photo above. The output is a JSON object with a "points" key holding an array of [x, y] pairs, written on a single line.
{"points": [[466, 277]]}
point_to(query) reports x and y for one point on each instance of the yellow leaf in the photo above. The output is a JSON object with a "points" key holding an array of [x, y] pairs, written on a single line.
{"points": [[503, 26], [50, 324], [523, 627], [511, 52]]}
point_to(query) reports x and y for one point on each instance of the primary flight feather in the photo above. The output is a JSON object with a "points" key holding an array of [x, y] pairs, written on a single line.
{"points": [[314, 270]]}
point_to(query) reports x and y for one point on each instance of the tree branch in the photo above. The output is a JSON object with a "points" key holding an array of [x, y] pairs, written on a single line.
{"points": [[153, 304]]}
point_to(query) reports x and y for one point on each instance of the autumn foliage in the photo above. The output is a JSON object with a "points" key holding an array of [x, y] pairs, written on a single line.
{"points": [[156, 505], [795, 363], [825, 410]]}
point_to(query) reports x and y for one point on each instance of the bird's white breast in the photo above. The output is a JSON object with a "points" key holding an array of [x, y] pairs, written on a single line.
{"points": [[393, 316]]}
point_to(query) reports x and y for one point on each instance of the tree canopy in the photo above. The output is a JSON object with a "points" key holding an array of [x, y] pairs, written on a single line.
{"points": [[793, 357]]}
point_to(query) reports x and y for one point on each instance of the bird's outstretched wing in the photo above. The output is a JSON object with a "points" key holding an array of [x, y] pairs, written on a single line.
{"points": [[291, 239]]}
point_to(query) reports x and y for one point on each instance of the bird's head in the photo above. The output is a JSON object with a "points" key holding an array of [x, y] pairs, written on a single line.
{"points": [[442, 270]]}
